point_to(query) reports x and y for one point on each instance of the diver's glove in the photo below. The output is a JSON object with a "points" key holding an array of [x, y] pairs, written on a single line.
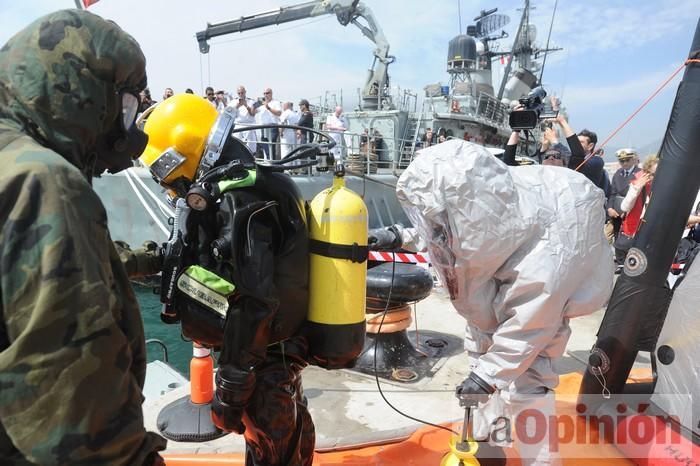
{"points": [[154, 459], [234, 388], [141, 262], [384, 238], [473, 390]]}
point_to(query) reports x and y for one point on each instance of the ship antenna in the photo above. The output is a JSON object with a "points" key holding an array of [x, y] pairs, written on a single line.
{"points": [[459, 14], [546, 48]]}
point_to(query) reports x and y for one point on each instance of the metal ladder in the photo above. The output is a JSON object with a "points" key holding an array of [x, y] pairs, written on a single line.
{"points": [[408, 146]]}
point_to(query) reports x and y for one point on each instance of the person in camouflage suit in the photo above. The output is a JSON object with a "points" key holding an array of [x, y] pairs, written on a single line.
{"points": [[72, 349]]}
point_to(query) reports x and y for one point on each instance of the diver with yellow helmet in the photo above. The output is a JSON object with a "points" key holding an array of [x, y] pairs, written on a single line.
{"points": [[236, 273]]}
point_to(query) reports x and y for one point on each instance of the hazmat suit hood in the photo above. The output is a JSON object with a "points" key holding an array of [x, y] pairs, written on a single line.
{"points": [[508, 241], [60, 79], [452, 189]]}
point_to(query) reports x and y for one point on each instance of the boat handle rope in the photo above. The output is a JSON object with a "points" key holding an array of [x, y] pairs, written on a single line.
{"points": [[644, 104]]}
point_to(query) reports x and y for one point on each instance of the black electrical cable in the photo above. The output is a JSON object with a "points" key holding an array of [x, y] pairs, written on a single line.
{"points": [[376, 375]]}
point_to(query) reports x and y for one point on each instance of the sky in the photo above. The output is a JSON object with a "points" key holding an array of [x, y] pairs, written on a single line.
{"points": [[615, 52]]}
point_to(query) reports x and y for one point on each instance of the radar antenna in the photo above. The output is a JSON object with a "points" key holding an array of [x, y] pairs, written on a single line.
{"points": [[487, 22]]}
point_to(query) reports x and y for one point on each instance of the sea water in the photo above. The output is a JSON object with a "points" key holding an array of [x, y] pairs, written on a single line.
{"points": [[179, 350]]}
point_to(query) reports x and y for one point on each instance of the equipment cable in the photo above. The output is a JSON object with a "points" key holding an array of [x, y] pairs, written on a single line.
{"points": [[376, 374], [639, 109]]}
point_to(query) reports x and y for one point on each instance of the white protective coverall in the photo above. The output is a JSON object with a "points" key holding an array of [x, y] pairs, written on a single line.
{"points": [[521, 250]]}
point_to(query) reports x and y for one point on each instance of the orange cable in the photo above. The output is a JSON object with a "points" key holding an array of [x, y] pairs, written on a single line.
{"points": [[644, 104]]}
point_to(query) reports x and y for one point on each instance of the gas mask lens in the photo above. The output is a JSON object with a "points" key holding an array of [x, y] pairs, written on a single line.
{"points": [[130, 107]]}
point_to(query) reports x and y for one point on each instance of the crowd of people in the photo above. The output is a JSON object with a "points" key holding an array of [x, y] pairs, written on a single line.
{"points": [[268, 143]]}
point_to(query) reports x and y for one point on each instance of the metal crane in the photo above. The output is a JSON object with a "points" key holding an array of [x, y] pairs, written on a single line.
{"points": [[375, 92]]}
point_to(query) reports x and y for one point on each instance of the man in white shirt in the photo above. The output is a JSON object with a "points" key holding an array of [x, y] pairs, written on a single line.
{"points": [[245, 116], [289, 138], [336, 125], [220, 101], [270, 112]]}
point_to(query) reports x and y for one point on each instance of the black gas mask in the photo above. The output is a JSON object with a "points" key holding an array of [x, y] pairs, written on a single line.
{"points": [[117, 150]]}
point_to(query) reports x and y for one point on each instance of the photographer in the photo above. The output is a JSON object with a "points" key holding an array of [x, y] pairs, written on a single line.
{"points": [[551, 152], [583, 154], [245, 116], [270, 111]]}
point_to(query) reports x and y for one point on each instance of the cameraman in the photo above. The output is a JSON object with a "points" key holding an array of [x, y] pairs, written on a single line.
{"points": [[593, 167], [245, 116], [583, 158], [549, 153]]}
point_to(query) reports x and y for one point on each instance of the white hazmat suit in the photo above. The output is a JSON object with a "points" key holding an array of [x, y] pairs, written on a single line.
{"points": [[521, 250]]}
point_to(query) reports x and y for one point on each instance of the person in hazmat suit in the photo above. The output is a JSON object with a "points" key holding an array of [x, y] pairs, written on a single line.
{"points": [[72, 349], [238, 261], [521, 251]]}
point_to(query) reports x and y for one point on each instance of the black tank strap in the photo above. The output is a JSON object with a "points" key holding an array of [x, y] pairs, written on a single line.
{"points": [[353, 252]]}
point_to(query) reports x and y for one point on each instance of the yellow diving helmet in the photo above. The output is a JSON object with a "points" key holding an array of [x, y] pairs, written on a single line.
{"points": [[178, 133]]}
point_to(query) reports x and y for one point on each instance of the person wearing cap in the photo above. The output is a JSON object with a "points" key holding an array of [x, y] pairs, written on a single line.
{"points": [[306, 119], [628, 160]]}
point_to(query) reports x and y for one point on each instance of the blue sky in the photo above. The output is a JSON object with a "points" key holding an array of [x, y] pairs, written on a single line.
{"points": [[615, 52]]}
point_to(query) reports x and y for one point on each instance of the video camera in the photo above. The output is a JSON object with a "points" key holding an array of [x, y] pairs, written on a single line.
{"points": [[533, 112]]}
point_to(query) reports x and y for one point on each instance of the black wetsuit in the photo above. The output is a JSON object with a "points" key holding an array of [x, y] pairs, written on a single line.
{"points": [[255, 238]]}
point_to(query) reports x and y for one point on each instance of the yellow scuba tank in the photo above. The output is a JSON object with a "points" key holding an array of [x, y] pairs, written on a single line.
{"points": [[337, 276]]}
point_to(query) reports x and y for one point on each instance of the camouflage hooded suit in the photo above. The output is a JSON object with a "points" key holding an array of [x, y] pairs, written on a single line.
{"points": [[72, 351]]}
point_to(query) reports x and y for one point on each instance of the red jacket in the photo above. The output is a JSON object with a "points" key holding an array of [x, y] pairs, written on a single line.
{"points": [[630, 224]]}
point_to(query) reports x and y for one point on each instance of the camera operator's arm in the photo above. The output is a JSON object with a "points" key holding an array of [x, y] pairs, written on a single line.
{"points": [[577, 152], [509, 154]]}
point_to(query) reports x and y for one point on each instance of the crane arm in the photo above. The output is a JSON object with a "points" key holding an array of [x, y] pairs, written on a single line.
{"points": [[343, 9], [375, 90]]}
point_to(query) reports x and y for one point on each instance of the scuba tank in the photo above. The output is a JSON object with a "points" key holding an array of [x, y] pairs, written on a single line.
{"points": [[337, 219]]}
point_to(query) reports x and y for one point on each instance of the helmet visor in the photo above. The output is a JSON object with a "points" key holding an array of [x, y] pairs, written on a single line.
{"points": [[436, 231], [130, 107]]}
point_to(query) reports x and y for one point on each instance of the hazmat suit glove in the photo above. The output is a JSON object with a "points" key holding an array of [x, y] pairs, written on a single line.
{"points": [[144, 261], [384, 238], [473, 390], [234, 387]]}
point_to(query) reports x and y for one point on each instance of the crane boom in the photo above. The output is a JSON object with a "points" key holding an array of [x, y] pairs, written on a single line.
{"points": [[375, 92]]}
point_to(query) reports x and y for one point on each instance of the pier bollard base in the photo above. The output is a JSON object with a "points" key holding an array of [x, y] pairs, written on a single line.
{"points": [[184, 421]]}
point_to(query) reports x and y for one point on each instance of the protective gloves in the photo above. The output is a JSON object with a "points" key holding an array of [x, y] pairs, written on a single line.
{"points": [[234, 388], [141, 262], [473, 390], [384, 238], [154, 459]]}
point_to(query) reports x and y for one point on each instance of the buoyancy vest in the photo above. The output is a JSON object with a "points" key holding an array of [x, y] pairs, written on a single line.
{"points": [[251, 245]]}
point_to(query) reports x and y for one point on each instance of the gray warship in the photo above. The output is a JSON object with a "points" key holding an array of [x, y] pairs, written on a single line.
{"points": [[385, 130]]}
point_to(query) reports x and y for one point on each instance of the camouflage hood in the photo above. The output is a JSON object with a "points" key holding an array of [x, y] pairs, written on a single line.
{"points": [[60, 77]]}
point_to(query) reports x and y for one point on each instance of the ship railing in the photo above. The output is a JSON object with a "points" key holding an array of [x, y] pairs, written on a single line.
{"points": [[365, 152], [362, 153], [491, 109]]}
